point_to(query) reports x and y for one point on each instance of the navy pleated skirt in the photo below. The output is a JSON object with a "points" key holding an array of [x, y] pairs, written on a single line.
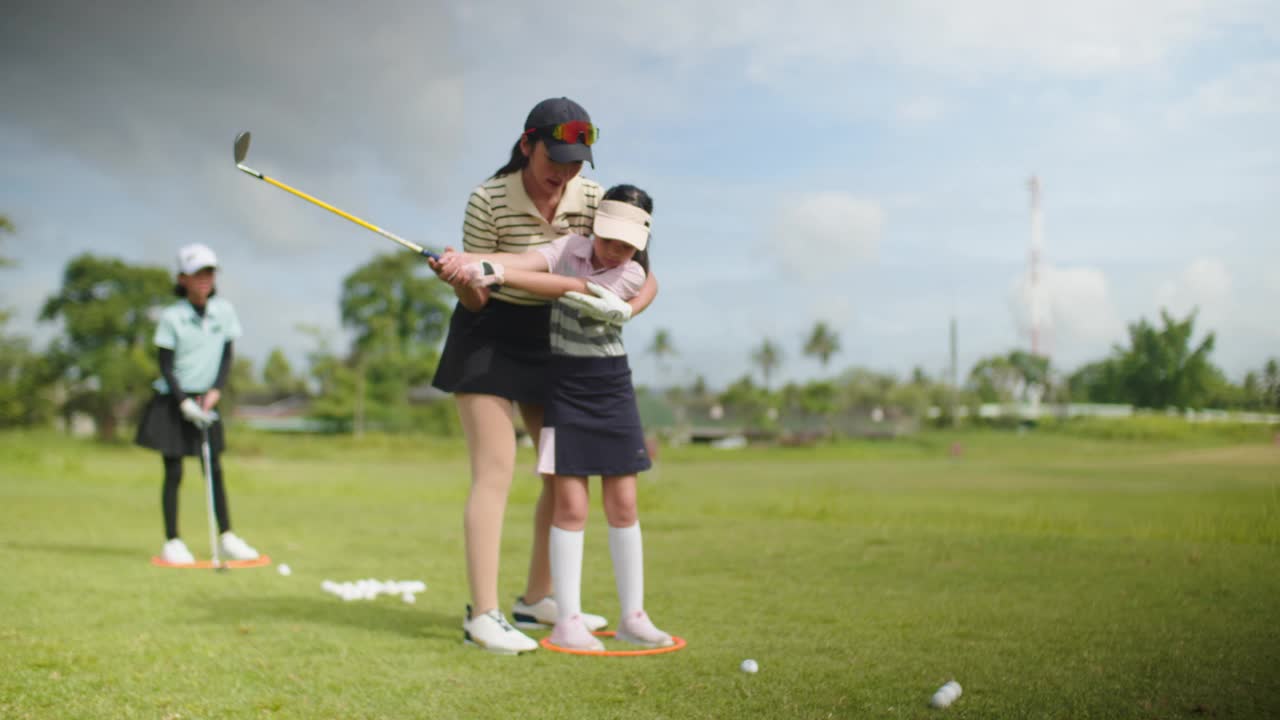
{"points": [[591, 425], [504, 350]]}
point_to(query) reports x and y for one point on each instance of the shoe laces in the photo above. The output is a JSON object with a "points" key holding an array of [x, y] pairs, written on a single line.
{"points": [[497, 617]]}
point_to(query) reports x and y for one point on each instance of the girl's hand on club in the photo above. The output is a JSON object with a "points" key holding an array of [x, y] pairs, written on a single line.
{"points": [[210, 399]]}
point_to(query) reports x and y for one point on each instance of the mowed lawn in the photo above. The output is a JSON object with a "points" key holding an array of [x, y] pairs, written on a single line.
{"points": [[1053, 577]]}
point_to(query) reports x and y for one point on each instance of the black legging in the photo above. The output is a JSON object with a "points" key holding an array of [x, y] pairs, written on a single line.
{"points": [[169, 497]]}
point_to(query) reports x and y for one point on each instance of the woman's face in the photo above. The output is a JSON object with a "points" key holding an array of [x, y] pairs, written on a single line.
{"points": [[198, 285], [612, 253], [546, 174]]}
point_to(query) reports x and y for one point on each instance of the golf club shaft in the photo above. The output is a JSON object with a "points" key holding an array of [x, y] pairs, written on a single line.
{"points": [[206, 460], [341, 213]]}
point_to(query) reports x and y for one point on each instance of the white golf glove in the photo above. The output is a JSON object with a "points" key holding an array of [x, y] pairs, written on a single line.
{"points": [[195, 414], [605, 305], [483, 274]]}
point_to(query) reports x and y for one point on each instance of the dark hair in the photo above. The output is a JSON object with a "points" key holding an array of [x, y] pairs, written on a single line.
{"points": [[181, 291], [518, 159], [632, 195]]}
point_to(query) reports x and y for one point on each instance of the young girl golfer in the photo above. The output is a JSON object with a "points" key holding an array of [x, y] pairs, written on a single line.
{"points": [[194, 337], [591, 425]]}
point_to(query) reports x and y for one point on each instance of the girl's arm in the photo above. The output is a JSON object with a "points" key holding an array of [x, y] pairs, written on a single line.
{"points": [[546, 284], [645, 297]]}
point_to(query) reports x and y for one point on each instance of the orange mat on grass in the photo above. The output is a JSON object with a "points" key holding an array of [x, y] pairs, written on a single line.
{"points": [[679, 645], [206, 564]]}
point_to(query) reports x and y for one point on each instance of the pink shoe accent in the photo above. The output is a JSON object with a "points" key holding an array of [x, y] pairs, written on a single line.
{"points": [[640, 630], [574, 635]]}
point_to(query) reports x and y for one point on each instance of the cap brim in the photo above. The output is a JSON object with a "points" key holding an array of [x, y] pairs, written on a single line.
{"points": [[563, 152], [620, 229]]}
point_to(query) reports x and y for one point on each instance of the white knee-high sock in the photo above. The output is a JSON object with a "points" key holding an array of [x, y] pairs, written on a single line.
{"points": [[566, 570], [627, 549]]}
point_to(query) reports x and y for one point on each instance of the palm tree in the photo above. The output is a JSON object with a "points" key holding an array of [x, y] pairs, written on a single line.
{"points": [[822, 344], [768, 357], [661, 348]]}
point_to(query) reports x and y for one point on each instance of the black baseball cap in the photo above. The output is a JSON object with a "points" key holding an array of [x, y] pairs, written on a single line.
{"points": [[552, 112]]}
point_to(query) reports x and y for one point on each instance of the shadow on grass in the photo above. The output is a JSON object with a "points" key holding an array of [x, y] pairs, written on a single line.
{"points": [[376, 615], [131, 551]]}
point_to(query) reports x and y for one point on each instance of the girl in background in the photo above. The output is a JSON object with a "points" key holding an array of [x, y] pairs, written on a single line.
{"points": [[194, 340]]}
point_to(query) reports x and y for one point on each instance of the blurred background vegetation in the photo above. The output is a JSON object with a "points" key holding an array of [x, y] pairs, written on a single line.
{"points": [[95, 373]]}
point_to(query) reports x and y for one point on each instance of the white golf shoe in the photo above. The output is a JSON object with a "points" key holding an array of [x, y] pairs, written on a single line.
{"points": [[175, 551], [542, 615], [638, 629], [236, 549], [490, 631]]}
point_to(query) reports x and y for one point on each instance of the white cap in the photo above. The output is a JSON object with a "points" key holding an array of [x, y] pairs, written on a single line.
{"points": [[618, 220], [194, 257]]}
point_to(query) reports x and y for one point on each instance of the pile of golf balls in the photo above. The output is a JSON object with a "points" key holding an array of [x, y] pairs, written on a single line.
{"points": [[946, 694], [369, 589]]}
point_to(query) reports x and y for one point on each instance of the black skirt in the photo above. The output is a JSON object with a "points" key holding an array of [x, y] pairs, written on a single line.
{"points": [[504, 350], [163, 428], [594, 422]]}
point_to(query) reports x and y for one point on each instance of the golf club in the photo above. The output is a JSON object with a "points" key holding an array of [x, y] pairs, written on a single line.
{"points": [[242, 149], [206, 461]]}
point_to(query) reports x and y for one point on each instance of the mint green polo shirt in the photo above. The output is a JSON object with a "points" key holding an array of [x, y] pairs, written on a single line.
{"points": [[196, 342]]}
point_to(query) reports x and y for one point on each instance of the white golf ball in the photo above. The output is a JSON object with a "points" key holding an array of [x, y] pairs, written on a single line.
{"points": [[283, 569], [946, 695], [409, 598], [749, 666]]}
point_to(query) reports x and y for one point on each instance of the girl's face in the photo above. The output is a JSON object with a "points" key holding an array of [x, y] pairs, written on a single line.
{"points": [[611, 253], [198, 285], [543, 173]]}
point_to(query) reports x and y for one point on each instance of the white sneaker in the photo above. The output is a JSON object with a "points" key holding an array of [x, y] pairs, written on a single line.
{"points": [[175, 551], [638, 629], [542, 615], [236, 549], [574, 635], [491, 632]]}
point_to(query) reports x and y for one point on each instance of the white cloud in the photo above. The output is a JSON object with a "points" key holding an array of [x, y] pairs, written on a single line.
{"points": [[822, 233], [1077, 38], [921, 110], [1078, 318], [1205, 283], [1247, 89]]}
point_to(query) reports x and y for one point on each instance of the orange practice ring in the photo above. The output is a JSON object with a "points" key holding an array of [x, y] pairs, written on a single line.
{"points": [[679, 645], [206, 564]]}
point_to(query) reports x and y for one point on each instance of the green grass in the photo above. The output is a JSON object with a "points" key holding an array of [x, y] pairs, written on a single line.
{"points": [[1054, 576]]}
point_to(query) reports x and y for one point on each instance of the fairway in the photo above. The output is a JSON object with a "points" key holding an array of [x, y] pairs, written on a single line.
{"points": [[1053, 577]]}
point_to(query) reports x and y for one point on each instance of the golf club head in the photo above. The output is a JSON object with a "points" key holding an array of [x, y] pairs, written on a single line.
{"points": [[242, 146]]}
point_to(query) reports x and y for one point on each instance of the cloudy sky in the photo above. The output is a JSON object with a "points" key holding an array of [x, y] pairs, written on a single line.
{"points": [[860, 163]]}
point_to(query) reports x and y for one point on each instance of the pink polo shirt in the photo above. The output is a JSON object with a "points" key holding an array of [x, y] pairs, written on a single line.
{"points": [[575, 334]]}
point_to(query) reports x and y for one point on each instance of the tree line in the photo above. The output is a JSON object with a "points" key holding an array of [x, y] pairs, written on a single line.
{"points": [[102, 361]]}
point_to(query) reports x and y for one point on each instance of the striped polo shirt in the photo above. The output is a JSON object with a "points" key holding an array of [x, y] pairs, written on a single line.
{"points": [[502, 218], [573, 333]]}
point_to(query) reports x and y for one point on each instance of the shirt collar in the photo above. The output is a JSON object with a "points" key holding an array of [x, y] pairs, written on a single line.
{"points": [[572, 200]]}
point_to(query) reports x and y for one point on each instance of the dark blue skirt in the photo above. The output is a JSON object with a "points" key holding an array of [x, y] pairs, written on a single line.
{"points": [[593, 420], [504, 350]]}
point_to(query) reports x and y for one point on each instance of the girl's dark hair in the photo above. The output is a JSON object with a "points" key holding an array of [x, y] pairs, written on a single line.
{"points": [[181, 291], [518, 159], [632, 195]]}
